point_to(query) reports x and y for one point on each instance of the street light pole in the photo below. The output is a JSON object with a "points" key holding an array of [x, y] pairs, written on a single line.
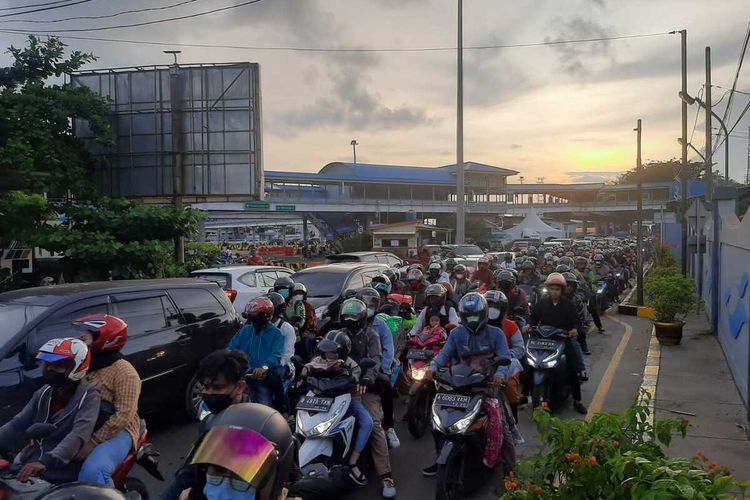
{"points": [[460, 198], [175, 104], [683, 180], [354, 144], [714, 202], [639, 221]]}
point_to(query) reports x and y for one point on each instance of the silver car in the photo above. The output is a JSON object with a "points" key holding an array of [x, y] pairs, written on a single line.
{"points": [[242, 283]]}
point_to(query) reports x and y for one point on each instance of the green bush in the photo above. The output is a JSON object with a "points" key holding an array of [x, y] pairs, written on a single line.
{"points": [[663, 256], [614, 457], [200, 255], [670, 294]]}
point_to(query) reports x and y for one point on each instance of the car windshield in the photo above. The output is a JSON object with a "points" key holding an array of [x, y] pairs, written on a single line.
{"points": [[321, 284], [15, 315], [467, 250]]}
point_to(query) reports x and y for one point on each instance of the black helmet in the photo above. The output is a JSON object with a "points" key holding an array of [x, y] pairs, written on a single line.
{"points": [[371, 298], [581, 260], [505, 279], [436, 290], [473, 311], [528, 265], [279, 304], [284, 283], [80, 491], [353, 315], [434, 269], [570, 279], [562, 268], [450, 263], [392, 276], [496, 299], [567, 261], [349, 293], [338, 341], [230, 436]]}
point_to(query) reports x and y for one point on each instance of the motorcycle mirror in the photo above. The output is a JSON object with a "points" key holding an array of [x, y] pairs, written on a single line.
{"points": [[367, 363], [40, 431]]}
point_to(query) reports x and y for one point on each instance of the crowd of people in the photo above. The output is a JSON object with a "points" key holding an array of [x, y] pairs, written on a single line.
{"points": [[92, 392]]}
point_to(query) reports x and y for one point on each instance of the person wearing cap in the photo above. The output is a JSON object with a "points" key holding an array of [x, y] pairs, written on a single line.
{"points": [[483, 273], [67, 401]]}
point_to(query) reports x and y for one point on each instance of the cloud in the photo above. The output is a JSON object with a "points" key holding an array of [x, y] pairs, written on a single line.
{"points": [[593, 176], [515, 146], [576, 58]]}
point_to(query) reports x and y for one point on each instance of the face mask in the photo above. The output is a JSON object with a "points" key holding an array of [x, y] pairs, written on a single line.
{"points": [[493, 313], [352, 325], [284, 292], [216, 403], [259, 323], [224, 491], [56, 379], [459, 276], [370, 312]]}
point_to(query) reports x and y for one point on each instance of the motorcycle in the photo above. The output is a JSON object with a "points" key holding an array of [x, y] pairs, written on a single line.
{"points": [[327, 430], [602, 295], [458, 415], [420, 350], [133, 488], [545, 357]]}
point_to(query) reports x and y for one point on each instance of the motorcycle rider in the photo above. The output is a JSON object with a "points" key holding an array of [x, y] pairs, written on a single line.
{"points": [[434, 272], [366, 344], [263, 344], [450, 265], [382, 284], [507, 262], [371, 298], [517, 298], [571, 294], [416, 286], [483, 274], [476, 342], [557, 311], [287, 330], [283, 286], [68, 401], [119, 387], [254, 259], [436, 302], [397, 286], [461, 283], [529, 275], [582, 266]]}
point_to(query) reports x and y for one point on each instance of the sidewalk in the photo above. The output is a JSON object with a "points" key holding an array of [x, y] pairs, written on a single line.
{"points": [[694, 378]]}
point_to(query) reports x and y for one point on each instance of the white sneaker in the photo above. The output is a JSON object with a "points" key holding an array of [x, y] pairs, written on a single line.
{"points": [[390, 434]]}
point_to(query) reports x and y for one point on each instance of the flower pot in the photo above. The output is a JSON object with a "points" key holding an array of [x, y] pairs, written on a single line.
{"points": [[669, 333]]}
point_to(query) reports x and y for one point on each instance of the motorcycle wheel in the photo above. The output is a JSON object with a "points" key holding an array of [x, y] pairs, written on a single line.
{"points": [[136, 485], [537, 396], [449, 480], [419, 414]]}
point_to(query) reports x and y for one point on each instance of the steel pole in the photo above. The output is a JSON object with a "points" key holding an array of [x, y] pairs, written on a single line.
{"points": [[684, 176], [714, 202], [460, 198], [639, 222], [175, 102]]}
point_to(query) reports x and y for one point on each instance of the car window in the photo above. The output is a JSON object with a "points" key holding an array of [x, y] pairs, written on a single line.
{"points": [[223, 279], [393, 261], [355, 281], [147, 314], [248, 279], [197, 304], [266, 279], [58, 324]]}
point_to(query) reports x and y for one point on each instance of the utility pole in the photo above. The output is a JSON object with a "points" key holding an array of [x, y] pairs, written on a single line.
{"points": [[709, 131], [710, 188], [639, 220], [684, 143], [460, 198], [354, 144], [175, 103]]}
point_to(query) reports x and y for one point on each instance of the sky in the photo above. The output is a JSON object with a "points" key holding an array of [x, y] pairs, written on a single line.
{"points": [[559, 112]]}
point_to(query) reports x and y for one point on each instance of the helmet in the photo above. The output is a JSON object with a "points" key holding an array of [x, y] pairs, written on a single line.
{"points": [[581, 260], [435, 269], [459, 269], [382, 284], [450, 263], [297, 289], [415, 275], [349, 293], [570, 254], [371, 298], [562, 268], [247, 433], [483, 260], [416, 266], [528, 266], [436, 258], [283, 286], [598, 258], [80, 491], [110, 333], [566, 261], [391, 275], [73, 349], [532, 251], [508, 257], [448, 289], [259, 310], [570, 278], [496, 274], [555, 279], [353, 315], [473, 311], [435, 290], [498, 298], [338, 341], [279, 304], [505, 279]]}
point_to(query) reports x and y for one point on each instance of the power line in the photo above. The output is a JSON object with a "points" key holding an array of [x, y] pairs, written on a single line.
{"points": [[45, 8], [104, 16], [728, 109], [34, 5], [735, 90], [156, 21], [326, 49]]}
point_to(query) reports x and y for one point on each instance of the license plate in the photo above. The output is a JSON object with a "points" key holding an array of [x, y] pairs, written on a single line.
{"points": [[542, 344], [452, 400], [419, 355], [313, 403]]}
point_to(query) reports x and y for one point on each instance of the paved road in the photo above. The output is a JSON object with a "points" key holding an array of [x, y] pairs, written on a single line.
{"points": [[615, 371]]}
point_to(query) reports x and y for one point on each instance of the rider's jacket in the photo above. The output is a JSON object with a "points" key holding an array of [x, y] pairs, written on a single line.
{"points": [[461, 342]]}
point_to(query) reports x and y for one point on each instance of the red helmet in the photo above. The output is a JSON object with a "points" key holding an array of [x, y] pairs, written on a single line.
{"points": [[259, 308], [110, 332]]}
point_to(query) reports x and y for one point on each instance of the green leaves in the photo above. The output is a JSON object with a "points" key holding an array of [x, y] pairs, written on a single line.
{"points": [[670, 293]]}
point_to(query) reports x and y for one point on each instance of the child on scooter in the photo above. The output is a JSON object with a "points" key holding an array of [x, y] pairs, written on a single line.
{"points": [[434, 327]]}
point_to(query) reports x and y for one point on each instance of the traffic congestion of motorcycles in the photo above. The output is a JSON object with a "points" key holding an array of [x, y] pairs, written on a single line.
{"points": [[294, 407]]}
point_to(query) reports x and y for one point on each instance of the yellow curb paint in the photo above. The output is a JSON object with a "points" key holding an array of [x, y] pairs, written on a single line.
{"points": [[646, 312], [651, 375], [597, 402]]}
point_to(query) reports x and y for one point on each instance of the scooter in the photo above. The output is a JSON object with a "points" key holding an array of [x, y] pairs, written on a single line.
{"points": [[602, 295], [420, 350], [134, 488], [545, 357], [458, 415]]}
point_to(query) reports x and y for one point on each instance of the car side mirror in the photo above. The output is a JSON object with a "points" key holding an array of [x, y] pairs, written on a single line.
{"points": [[29, 362]]}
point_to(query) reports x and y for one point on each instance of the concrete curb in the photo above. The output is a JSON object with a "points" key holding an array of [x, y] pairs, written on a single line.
{"points": [[640, 311], [647, 393]]}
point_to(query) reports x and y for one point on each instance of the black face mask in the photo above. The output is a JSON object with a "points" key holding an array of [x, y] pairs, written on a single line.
{"points": [[259, 324], [352, 325], [56, 379], [216, 403]]}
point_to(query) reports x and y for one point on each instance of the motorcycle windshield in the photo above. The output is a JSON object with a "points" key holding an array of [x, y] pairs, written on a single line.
{"points": [[473, 370]]}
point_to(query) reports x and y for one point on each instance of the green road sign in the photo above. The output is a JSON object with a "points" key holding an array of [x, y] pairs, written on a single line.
{"points": [[257, 205], [286, 208]]}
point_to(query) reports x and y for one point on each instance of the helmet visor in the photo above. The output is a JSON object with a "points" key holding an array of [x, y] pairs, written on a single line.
{"points": [[242, 451]]}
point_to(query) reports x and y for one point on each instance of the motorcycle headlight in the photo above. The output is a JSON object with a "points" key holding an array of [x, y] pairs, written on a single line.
{"points": [[324, 426], [435, 419], [618, 274], [600, 291], [418, 374], [462, 425], [531, 361], [552, 364]]}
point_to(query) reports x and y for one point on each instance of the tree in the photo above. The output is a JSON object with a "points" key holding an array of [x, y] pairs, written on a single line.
{"points": [[662, 171], [38, 151]]}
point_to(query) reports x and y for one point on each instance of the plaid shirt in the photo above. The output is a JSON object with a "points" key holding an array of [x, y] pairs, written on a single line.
{"points": [[119, 385]]}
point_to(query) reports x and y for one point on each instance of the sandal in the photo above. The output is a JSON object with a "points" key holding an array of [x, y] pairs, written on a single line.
{"points": [[356, 475]]}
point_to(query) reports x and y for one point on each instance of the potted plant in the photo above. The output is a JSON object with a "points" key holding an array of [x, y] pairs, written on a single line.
{"points": [[672, 296]]}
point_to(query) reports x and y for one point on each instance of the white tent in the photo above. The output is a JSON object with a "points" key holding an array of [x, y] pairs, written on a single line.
{"points": [[532, 227]]}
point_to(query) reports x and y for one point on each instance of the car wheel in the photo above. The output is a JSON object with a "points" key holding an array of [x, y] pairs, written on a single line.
{"points": [[192, 400]]}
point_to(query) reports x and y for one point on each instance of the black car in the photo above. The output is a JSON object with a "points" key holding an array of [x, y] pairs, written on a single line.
{"points": [[172, 325], [326, 284]]}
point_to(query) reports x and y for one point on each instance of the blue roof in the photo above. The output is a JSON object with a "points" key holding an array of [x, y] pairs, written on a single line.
{"points": [[360, 172]]}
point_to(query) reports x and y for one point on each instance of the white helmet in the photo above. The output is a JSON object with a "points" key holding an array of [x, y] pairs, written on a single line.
{"points": [[56, 350], [436, 265]]}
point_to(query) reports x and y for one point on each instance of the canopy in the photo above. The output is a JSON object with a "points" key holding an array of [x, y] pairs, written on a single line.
{"points": [[532, 227]]}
